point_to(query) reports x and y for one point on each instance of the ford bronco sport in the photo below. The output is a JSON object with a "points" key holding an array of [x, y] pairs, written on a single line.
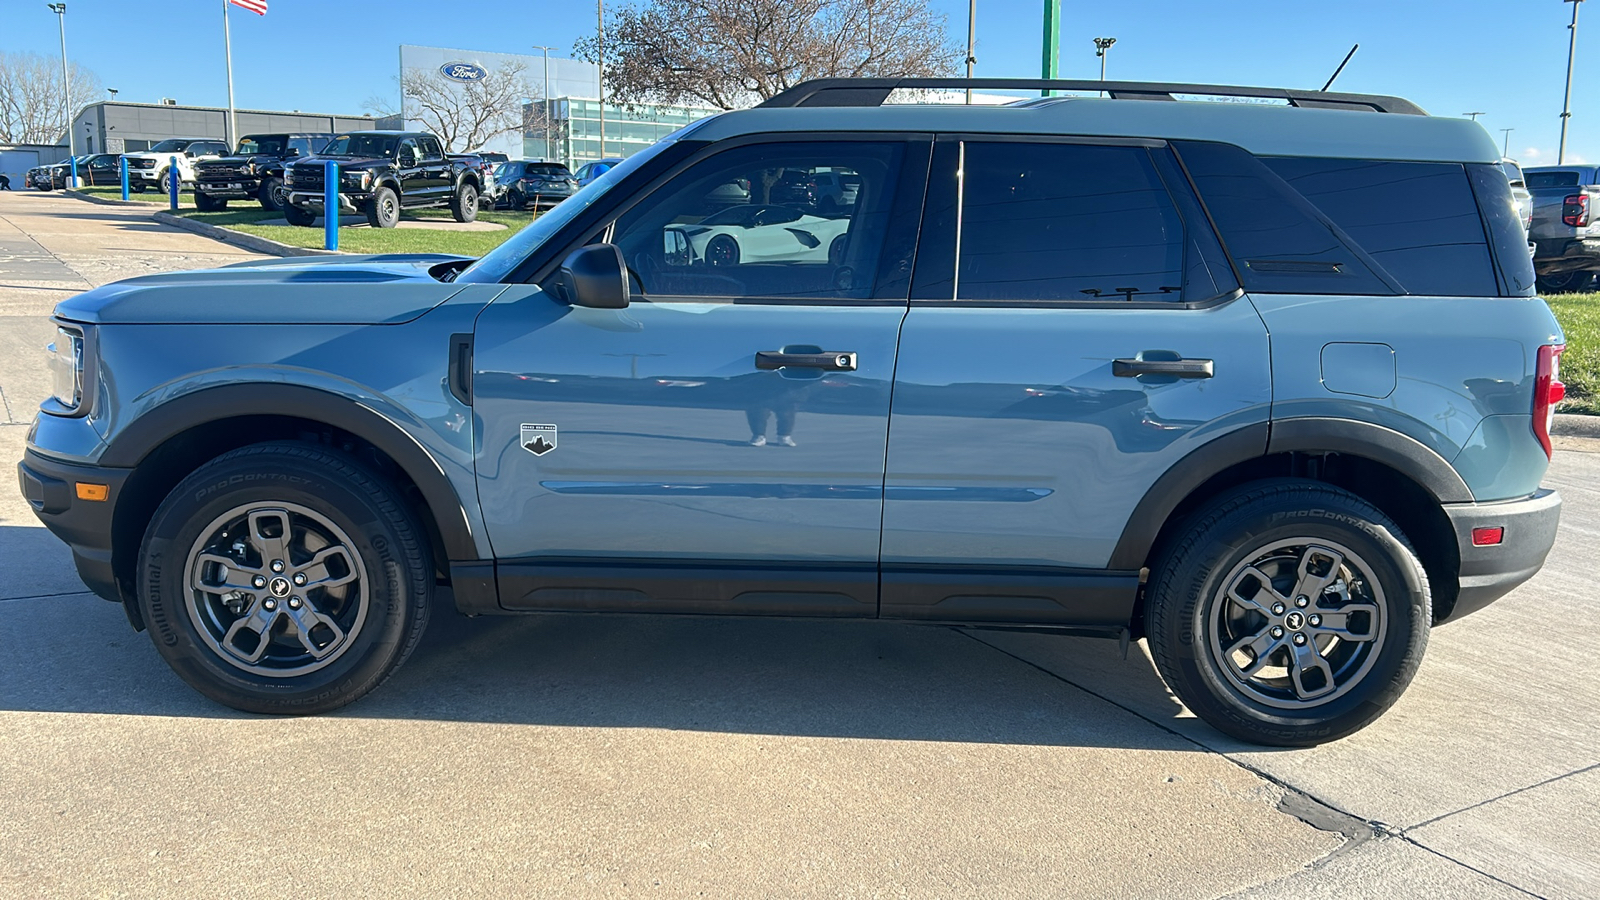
{"points": [[1170, 371]]}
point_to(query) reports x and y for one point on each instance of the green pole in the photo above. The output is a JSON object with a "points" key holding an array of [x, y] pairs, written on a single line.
{"points": [[1050, 65]]}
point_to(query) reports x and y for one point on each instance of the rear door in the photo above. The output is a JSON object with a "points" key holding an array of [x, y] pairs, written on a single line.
{"points": [[718, 445], [1074, 331]]}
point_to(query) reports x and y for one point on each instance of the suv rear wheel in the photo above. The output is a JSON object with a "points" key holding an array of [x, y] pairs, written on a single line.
{"points": [[1288, 613], [284, 578], [464, 205]]}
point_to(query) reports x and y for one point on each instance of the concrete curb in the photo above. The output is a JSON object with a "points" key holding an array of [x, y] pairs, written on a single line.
{"points": [[238, 239], [107, 201], [1569, 425]]}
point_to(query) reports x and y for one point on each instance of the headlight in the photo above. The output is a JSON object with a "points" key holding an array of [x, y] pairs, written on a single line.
{"points": [[66, 369], [358, 179]]}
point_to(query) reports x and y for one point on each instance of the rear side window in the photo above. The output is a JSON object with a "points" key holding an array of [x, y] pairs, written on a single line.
{"points": [[1552, 179], [1044, 221], [1419, 220]]}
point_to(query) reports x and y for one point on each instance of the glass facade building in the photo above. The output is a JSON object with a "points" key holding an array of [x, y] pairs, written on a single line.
{"points": [[574, 129]]}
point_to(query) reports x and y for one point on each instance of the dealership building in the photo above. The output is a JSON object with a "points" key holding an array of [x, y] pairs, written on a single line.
{"points": [[115, 127]]}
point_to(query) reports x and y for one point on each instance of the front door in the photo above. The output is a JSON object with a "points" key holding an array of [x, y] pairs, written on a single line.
{"points": [[1074, 332], [717, 446]]}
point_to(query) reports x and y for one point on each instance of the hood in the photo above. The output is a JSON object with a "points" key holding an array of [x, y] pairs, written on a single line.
{"points": [[327, 290], [345, 162]]}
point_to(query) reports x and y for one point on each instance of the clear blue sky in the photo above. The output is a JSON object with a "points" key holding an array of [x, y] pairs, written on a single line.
{"points": [[1505, 58]]}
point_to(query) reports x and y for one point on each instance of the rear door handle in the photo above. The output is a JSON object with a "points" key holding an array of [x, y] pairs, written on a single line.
{"points": [[832, 360], [1177, 368]]}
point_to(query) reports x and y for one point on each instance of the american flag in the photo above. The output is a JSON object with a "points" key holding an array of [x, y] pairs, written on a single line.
{"points": [[259, 7]]}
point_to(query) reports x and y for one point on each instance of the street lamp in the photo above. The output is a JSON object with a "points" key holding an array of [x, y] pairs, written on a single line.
{"points": [[1101, 45], [547, 152], [113, 92], [1473, 115], [1506, 149], [1566, 99], [60, 9], [600, 47], [972, 19]]}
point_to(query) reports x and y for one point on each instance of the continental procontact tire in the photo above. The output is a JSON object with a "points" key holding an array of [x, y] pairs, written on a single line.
{"points": [[284, 578], [1288, 613]]}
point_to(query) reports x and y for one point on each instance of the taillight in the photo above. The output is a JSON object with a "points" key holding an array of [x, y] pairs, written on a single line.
{"points": [[1547, 392], [1575, 210]]}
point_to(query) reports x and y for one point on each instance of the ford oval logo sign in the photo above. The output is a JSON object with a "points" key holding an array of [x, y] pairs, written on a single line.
{"points": [[460, 71]]}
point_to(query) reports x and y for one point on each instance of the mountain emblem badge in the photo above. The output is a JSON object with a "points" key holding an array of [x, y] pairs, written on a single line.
{"points": [[538, 439]]}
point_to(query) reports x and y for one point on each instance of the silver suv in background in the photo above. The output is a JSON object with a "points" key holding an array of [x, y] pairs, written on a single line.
{"points": [[1520, 195]]}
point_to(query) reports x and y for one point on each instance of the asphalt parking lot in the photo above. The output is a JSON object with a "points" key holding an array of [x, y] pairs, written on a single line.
{"points": [[589, 756]]}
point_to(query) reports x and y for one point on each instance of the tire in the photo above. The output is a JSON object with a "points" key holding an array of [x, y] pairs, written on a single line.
{"points": [[271, 196], [1208, 607], [136, 186], [207, 203], [1565, 283], [294, 215], [223, 527], [383, 210], [464, 203], [164, 181], [516, 200], [722, 250]]}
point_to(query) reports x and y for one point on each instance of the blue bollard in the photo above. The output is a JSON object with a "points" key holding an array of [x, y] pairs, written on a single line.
{"points": [[174, 175], [330, 207], [74, 162], [122, 163]]}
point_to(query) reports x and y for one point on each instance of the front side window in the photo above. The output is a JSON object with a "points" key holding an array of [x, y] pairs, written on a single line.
{"points": [[1066, 222], [757, 222], [429, 148]]}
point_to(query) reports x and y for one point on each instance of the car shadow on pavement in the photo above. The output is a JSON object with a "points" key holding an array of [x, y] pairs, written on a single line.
{"points": [[72, 652]]}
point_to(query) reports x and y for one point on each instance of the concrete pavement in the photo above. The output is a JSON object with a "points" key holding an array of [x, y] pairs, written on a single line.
{"points": [[596, 756]]}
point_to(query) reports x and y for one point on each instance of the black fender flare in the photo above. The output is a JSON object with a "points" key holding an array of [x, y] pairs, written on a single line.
{"points": [[158, 425], [1352, 437]]}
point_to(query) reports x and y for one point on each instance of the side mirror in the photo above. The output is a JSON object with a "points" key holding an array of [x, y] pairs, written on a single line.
{"points": [[594, 277]]}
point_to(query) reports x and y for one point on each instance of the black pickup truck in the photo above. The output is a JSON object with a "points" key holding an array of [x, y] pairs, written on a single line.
{"points": [[383, 172], [254, 173]]}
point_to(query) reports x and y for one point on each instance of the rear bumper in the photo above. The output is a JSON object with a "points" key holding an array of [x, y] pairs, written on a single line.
{"points": [[50, 487], [1489, 573], [1552, 256]]}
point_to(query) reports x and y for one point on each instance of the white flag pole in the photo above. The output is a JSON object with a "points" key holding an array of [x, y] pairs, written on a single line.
{"points": [[232, 135]]}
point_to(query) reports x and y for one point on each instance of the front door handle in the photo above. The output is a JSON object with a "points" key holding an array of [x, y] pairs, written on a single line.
{"points": [[1177, 368], [831, 360]]}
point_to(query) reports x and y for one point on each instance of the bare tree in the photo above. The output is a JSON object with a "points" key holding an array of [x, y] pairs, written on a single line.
{"points": [[462, 115], [730, 53], [30, 97]]}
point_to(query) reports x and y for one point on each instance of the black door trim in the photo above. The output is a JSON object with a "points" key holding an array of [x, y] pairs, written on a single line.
{"points": [[1039, 595], [733, 587]]}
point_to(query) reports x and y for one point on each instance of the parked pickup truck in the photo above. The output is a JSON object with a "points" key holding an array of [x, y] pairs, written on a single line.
{"points": [[383, 172], [1565, 232], [150, 168], [255, 172]]}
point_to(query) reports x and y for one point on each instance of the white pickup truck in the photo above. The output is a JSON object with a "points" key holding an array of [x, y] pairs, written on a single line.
{"points": [[150, 168]]}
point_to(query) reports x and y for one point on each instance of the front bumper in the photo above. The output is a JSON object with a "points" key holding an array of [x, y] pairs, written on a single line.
{"points": [[312, 201], [143, 175], [50, 487], [1489, 573], [230, 188]]}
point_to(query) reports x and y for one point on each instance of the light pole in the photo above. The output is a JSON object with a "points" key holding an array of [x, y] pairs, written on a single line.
{"points": [[1101, 45], [1505, 149], [112, 92], [547, 153], [60, 9], [1566, 99], [1473, 115], [600, 47], [972, 20]]}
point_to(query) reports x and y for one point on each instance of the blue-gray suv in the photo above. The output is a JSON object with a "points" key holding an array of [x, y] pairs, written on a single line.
{"points": [[1264, 383]]}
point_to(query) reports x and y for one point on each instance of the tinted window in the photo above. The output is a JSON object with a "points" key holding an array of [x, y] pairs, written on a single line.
{"points": [[300, 146], [171, 145], [1504, 225], [746, 223], [430, 147], [1552, 179], [1066, 222], [363, 145], [1420, 221], [547, 169], [1279, 242], [265, 144], [1513, 173]]}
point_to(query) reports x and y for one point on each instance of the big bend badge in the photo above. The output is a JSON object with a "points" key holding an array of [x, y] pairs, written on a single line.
{"points": [[538, 439]]}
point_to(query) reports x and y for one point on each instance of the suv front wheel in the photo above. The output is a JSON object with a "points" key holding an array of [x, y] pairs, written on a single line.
{"points": [[1288, 613], [284, 578]]}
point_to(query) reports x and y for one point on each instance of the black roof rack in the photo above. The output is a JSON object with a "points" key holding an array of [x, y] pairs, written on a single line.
{"points": [[874, 91]]}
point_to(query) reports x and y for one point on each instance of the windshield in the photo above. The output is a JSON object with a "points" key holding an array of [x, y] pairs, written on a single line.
{"points": [[501, 260], [362, 145], [267, 144], [1513, 173], [170, 146]]}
